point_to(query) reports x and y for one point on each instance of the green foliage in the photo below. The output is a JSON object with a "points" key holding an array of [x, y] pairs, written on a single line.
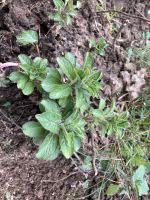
{"points": [[30, 71], [109, 120], [66, 102], [140, 181], [102, 6], [28, 37], [112, 189], [98, 46], [65, 11], [141, 53]]}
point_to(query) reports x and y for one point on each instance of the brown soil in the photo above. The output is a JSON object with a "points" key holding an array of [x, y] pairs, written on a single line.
{"points": [[21, 174]]}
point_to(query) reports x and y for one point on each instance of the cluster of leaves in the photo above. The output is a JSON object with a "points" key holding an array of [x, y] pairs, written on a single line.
{"points": [[65, 11], [66, 102], [134, 145], [110, 120], [98, 46], [102, 6], [141, 53]]}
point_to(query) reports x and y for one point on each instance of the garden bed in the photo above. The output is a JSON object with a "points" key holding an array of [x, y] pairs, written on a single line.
{"points": [[22, 176]]}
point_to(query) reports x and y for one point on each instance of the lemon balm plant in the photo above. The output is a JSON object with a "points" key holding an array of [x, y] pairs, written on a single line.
{"points": [[66, 112]]}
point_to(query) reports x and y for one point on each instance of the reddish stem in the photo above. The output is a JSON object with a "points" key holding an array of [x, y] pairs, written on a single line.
{"points": [[8, 64]]}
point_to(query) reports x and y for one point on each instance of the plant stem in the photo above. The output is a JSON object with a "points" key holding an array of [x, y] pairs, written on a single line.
{"points": [[38, 50], [8, 64]]}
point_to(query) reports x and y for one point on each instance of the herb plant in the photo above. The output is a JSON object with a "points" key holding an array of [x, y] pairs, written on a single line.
{"points": [[65, 11], [66, 111], [98, 46]]}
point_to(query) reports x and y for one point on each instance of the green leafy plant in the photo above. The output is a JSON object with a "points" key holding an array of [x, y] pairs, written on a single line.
{"points": [[27, 37], [140, 181], [66, 105], [65, 11], [141, 53], [98, 46], [31, 71], [111, 120]]}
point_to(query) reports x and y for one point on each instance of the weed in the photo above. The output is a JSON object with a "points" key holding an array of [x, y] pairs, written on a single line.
{"points": [[102, 7], [65, 11], [141, 54], [98, 46]]}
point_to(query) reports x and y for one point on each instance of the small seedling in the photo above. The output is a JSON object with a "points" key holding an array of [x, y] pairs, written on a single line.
{"points": [[141, 54], [98, 46], [65, 11], [102, 7]]}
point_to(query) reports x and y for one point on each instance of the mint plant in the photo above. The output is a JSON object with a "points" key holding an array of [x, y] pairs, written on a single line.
{"points": [[66, 111], [31, 71], [98, 46], [65, 11]]}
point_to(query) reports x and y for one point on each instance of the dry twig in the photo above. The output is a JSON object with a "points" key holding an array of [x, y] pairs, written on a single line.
{"points": [[126, 14]]}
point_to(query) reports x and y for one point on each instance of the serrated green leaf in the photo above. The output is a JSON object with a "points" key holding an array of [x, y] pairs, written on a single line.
{"points": [[40, 62], [102, 104], [59, 4], [50, 120], [70, 5], [52, 79], [21, 83], [63, 102], [101, 46], [75, 123], [27, 37], [66, 144], [33, 129], [92, 42], [69, 56], [60, 91], [25, 62], [28, 88], [82, 100], [56, 17], [77, 143], [112, 189], [88, 62], [49, 149], [15, 76], [67, 67], [50, 106]]}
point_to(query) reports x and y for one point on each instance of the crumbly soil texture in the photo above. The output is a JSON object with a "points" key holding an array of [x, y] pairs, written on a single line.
{"points": [[22, 176]]}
